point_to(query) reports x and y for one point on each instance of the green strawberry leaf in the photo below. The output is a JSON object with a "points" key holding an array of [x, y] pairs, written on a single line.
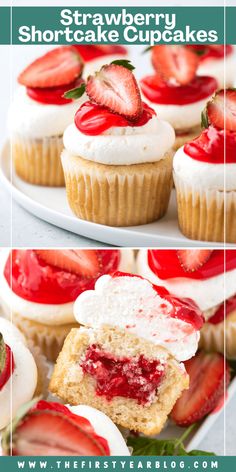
{"points": [[204, 119], [125, 63], [75, 93], [147, 49], [2, 353]]}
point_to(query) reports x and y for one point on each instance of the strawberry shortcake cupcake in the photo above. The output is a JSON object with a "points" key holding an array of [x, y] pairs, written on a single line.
{"points": [[118, 154], [39, 287], [218, 61], [45, 428], [39, 115], [175, 92], [126, 360], [206, 276], [94, 55], [205, 174]]}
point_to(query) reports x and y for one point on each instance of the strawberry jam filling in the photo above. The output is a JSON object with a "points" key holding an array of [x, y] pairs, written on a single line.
{"points": [[33, 279], [52, 95], [159, 91], [223, 311], [93, 119], [213, 146], [8, 367], [136, 378], [91, 52], [166, 264]]}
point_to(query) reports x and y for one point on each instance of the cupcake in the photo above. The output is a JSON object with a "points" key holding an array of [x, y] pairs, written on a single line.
{"points": [[199, 274], [18, 372], [39, 115], [94, 55], [205, 175], [49, 429], [175, 92], [126, 360], [117, 159], [39, 287], [217, 61]]}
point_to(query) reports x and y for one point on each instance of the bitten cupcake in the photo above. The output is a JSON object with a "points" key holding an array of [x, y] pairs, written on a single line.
{"points": [[175, 92], [117, 159], [206, 276], [39, 115], [218, 61], [94, 55], [39, 287], [205, 175]]}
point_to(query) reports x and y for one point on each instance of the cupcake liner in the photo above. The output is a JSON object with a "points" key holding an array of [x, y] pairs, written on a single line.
{"points": [[49, 339], [117, 195], [212, 337], [42, 368], [37, 161], [184, 138], [202, 213]]}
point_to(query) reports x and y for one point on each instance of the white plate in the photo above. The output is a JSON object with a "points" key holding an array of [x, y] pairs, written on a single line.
{"points": [[50, 204]]}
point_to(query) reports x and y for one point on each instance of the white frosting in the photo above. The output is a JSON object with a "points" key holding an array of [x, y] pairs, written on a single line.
{"points": [[122, 145], [49, 314], [206, 293], [204, 175], [215, 68], [104, 427], [131, 304], [21, 386], [33, 119]]}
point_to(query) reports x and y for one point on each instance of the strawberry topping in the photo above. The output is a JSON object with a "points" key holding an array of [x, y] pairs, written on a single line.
{"points": [[52, 95], [94, 51], [213, 146], [211, 51], [221, 110], [208, 373], [223, 311], [83, 262], [61, 66], [193, 259], [175, 62], [7, 364]]}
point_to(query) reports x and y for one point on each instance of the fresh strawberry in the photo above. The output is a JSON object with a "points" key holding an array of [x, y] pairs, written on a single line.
{"points": [[47, 431], [175, 62], [193, 259], [58, 67], [93, 51], [6, 362], [116, 88], [209, 373], [221, 110], [83, 262]]}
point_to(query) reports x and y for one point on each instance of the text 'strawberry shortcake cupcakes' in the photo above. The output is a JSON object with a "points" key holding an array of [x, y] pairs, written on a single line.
{"points": [[43, 428], [39, 115], [218, 61], [39, 288], [95, 55], [18, 371], [175, 92], [205, 175], [118, 154], [127, 359], [206, 276]]}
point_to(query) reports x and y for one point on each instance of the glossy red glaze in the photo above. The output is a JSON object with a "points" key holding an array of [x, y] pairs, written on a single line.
{"points": [[213, 146], [223, 311], [209, 52], [52, 95], [166, 265], [123, 377], [34, 280], [8, 368], [91, 52], [92, 119], [157, 90]]}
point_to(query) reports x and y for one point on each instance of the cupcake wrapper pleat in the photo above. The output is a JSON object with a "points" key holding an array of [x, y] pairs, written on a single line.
{"points": [[214, 338]]}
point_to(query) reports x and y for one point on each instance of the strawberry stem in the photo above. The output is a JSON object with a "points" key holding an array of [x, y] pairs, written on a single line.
{"points": [[185, 435]]}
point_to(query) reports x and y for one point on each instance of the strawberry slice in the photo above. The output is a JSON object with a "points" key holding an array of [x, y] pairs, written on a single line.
{"points": [[175, 62], [93, 51], [221, 110], [116, 88], [6, 362], [58, 67], [208, 373], [193, 259], [83, 262]]}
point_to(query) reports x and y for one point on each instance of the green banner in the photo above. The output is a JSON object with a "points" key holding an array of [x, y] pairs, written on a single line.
{"points": [[118, 25]]}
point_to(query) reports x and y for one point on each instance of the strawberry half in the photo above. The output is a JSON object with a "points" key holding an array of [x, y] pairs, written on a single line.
{"points": [[175, 62], [116, 88], [83, 262], [58, 67], [208, 372], [193, 259], [6, 362], [221, 110]]}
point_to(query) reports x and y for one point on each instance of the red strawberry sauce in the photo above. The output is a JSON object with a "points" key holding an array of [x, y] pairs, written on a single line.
{"points": [[8, 368], [166, 265], [136, 378], [52, 95], [212, 52], [223, 311], [93, 119], [91, 52], [34, 280], [159, 91], [213, 146]]}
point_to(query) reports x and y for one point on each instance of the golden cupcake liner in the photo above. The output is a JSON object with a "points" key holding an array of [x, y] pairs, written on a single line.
{"points": [[184, 138], [42, 368], [207, 215], [48, 338], [37, 161], [215, 338], [118, 195]]}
